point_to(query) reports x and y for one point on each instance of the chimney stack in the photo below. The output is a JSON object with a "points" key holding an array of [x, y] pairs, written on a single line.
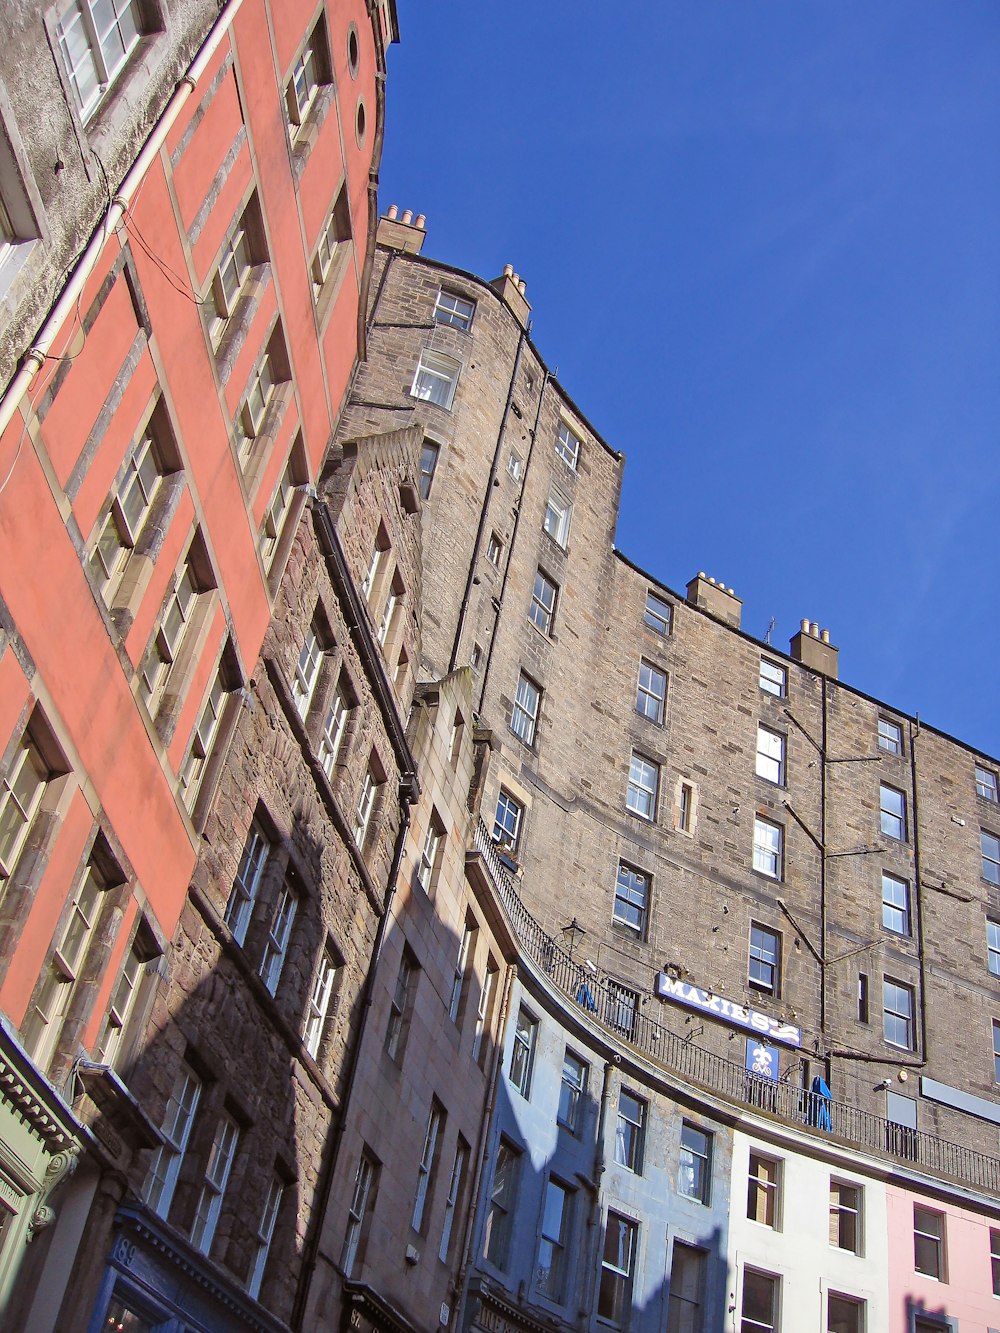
{"points": [[715, 598], [812, 647], [404, 233], [510, 287]]}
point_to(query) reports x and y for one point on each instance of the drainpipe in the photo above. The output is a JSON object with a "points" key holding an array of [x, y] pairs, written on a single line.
{"points": [[37, 354], [917, 896], [483, 1146], [822, 875], [594, 1220], [510, 549], [464, 610], [325, 1190]]}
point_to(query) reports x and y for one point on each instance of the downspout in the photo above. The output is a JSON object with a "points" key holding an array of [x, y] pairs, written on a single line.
{"points": [[377, 144], [594, 1220], [325, 1190], [918, 897], [37, 354], [822, 875], [464, 610], [483, 1146], [510, 550]]}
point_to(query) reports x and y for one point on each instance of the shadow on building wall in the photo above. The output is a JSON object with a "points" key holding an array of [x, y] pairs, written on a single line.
{"points": [[627, 1255], [247, 1117]]}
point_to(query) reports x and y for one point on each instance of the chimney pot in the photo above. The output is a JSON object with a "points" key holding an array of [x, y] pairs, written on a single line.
{"points": [[508, 270], [421, 220], [804, 626], [407, 216], [825, 635], [522, 286], [393, 212]]}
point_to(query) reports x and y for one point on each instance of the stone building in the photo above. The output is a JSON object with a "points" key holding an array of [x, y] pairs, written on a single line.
{"points": [[783, 891]]}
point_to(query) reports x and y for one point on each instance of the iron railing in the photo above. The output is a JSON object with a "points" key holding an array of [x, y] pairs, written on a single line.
{"points": [[618, 1009]]}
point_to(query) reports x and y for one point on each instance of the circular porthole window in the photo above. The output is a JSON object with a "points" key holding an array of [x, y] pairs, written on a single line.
{"points": [[353, 50], [361, 122]]}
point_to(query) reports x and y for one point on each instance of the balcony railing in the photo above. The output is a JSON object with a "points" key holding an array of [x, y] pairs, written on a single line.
{"points": [[618, 1009]]}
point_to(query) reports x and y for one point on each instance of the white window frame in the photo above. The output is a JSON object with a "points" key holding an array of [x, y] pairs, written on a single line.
{"points": [[892, 822], [455, 1182], [453, 310], [694, 1170], [333, 242], [430, 853], [50, 1003], [365, 807], [895, 1013], [993, 946], [770, 761], [104, 63], [631, 905], [542, 610], [990, 848], [361, 1199], [558, 517], [769, 1324], [484, 1010], [179, 613], [890, 736], [246, 885], [986, 784], [508, 806], [938, 1242], [436, 379], [399, 1003], [319, 1003], [630, 1131], [568, 445], [125, 999], [554, 1231], [502, 1204], [265, 1234], [335, 723], [658, 614], [651, 692], [213, 1190], [22, 789], [764, 1190], [768, 848], [845, 1216], [205, 733], [462, 965], [895, 904], [279, 937], [643, 788], [164, 1169], [277, 514], [306, 78], [307, 670], [764, 966], [772, 678], [426, 1168], [618, 1264], [130, 507], [259, 394], [524, 714], [572, 1089], [522, 1052], [430, 453]]}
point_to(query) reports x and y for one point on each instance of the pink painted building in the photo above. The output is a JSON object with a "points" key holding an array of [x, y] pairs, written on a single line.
{"points": [[944, 1262]]}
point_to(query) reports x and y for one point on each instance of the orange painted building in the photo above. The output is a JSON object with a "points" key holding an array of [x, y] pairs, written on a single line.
{"points": [[159, 430]]}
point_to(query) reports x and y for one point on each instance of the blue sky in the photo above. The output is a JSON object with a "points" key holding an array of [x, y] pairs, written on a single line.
{"points": [[762, 245]]}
